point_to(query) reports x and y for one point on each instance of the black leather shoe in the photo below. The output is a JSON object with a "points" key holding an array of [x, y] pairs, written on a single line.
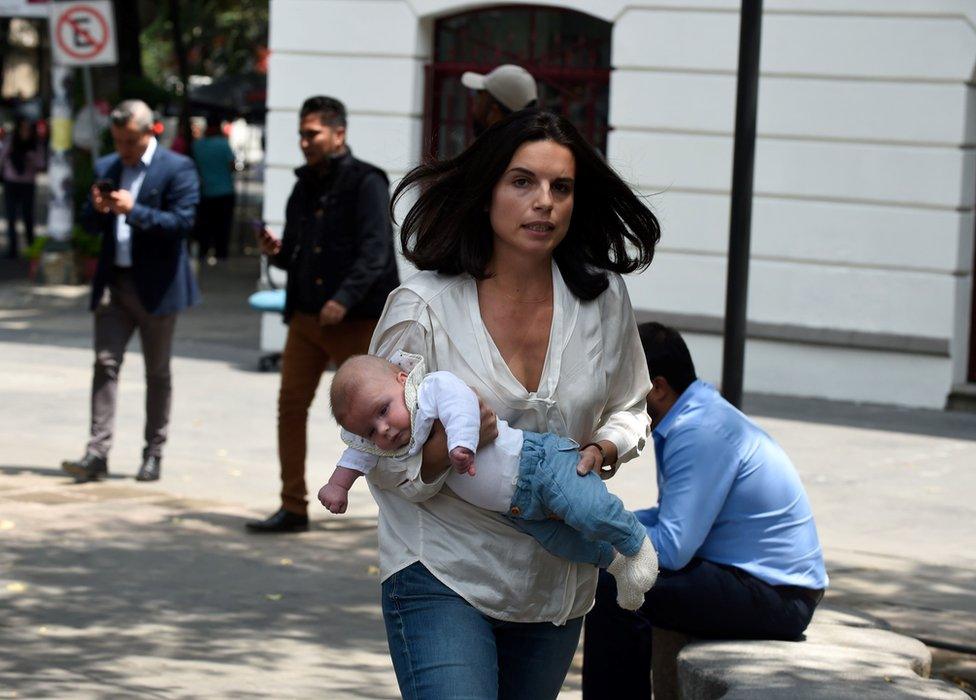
{"points": [[149, 471], [282, 521], [91, 467]]}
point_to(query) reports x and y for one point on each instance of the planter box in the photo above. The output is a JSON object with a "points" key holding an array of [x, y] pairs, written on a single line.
{"points": [[55, 268], [85, 267]]}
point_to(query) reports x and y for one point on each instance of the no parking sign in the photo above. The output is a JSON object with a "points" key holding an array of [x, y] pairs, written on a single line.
{"points": [[83, 33]]}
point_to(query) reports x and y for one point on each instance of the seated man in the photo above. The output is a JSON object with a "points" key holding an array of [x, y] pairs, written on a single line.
{"points": [[738, 548]]}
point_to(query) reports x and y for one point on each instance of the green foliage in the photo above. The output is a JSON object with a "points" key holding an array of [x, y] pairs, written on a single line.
{"points": [[136, 87], [84, 243], [220, 36], [34, 250]]}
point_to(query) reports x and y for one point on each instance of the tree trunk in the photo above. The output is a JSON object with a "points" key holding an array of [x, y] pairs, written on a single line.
{"points": [[4, 45], [128, 26], [180, 50]]}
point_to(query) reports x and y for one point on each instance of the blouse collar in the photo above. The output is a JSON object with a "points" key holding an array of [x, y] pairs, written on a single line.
{"points": [[565, 310]]}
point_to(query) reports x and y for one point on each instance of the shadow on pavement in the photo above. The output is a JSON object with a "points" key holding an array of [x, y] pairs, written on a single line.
{"points": [[160, 602], [54, 472], [936, 604], [13, 269], [917, 421], [223, 327]]}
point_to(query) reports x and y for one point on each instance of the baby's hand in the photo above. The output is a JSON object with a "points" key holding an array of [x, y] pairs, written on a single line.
{"points": [[462, 459], [335, 498]]}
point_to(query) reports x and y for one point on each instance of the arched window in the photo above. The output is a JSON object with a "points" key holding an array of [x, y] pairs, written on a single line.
{"points": [[567, 52]]}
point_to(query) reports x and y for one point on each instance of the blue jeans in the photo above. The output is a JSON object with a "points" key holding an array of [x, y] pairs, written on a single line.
{"points": [[704, 599], [594, 521], [444, 649]]}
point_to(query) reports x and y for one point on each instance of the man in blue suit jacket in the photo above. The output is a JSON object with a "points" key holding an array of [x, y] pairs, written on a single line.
{"points": [[143, 205]]}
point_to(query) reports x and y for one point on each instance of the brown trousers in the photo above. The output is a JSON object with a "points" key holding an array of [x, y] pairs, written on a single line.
{"points": [[309, 349], [117, 317]]}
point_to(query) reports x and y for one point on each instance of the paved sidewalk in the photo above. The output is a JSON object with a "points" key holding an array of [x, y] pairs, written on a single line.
{"points": [[121, 589]]}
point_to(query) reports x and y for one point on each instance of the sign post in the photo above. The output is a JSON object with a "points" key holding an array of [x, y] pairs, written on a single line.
{"points": [[82, 34], [743, 161], [90, 99]]}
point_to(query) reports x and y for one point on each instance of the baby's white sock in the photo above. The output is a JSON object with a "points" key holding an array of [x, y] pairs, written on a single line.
{"points": [[634, 575]]}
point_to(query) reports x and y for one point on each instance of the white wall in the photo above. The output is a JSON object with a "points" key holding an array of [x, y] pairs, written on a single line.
{"points": [[865, 175], [368, 53], [865, 181]]}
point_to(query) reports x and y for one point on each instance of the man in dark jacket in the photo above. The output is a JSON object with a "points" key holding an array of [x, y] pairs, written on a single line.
{"points": [[142, 204], [338, 250]]}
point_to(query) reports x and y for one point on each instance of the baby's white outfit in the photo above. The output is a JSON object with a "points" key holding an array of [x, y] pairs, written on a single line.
{"points": [[442, 396]]}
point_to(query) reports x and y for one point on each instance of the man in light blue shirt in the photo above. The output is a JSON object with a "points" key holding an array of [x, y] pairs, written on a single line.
{"points": [[733, 529], [131, 180]]}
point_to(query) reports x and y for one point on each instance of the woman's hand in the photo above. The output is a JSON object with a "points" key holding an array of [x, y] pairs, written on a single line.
{"points": [[489, 424], [592, 457], [434, 458]]}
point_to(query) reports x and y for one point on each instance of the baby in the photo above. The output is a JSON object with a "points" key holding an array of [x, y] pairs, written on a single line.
{"points": [[529, 477]]}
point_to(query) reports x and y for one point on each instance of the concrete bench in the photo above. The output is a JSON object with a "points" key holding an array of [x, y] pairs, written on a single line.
{"points": [[844, 655]]}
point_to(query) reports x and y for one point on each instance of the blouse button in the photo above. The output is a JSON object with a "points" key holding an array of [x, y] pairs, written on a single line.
{"points": [[516, 511]]}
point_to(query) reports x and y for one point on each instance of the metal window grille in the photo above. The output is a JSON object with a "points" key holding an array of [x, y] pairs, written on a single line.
{"points": [[567, 52]]}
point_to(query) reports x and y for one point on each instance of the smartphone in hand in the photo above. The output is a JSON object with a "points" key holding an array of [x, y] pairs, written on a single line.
{"points": [[105, 186]]}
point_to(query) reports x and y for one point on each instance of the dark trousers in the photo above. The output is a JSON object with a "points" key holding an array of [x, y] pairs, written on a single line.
{"points": [[117, 317], [309, 349], [215, 217], [19, 200], [704, 600]]}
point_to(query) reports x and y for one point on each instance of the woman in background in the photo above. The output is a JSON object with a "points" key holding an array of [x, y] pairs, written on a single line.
{"points": [[215, 162], [21, 159]]}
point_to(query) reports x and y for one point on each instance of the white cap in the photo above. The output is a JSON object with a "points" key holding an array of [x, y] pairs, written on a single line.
{"points": [[513, 86]]}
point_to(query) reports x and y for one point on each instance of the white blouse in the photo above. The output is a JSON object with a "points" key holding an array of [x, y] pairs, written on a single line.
{"points": [[593, 387]]}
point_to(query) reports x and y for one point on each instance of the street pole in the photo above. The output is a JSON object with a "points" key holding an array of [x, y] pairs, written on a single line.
{"points": [[743, 161], [90, 99], [60, 171]]}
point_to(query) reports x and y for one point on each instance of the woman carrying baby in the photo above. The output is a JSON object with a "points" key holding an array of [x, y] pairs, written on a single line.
{"points": [[521, 241]]}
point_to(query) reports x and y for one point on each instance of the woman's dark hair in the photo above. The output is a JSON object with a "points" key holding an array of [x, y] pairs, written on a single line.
{"points": [[448, 229], [667, 355], [20, 147]]}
